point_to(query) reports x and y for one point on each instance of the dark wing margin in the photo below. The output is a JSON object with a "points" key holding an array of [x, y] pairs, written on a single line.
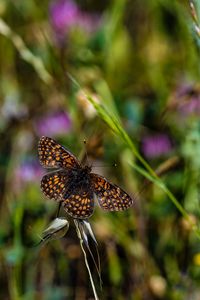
{"points": [[54, 185], [110, 196], [53, 155], [79, 203]]}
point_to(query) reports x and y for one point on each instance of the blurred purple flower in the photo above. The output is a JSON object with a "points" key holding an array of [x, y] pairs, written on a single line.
{"points": [[192, 107], [189, 100], [90, 22], [156, 145], [185, 100], [53, 124], [29, 170], [65, 14]]}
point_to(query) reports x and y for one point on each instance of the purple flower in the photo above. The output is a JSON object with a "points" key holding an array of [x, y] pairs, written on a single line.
{"points": [[189, 100], [190, 108], [65, 14], [53, 124], [90, 22], [185, 100], [156, 145], [28, 171]]}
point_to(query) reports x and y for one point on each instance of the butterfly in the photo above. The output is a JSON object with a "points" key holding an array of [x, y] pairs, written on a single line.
{"points": [[74, 185]]}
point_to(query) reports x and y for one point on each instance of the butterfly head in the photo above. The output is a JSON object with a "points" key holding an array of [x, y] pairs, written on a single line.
{"points": [[86, 169]]}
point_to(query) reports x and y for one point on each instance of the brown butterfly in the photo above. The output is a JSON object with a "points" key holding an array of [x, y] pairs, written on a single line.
{"points": [[74, 185]]}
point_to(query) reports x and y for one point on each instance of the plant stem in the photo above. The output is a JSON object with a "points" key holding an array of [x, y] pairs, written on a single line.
{"points": [[85, 258]]}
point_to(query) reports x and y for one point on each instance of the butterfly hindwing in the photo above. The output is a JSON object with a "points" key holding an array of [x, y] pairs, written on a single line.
{"points": [[80, 203], [110, 196], [54, 185], [53, 155]]}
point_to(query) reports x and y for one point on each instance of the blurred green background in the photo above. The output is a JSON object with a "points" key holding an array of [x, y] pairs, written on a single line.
{"points": [[139, 61]]}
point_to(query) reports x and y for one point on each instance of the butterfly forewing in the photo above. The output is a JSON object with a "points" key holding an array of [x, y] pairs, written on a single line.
{"points": [[110, 196], [80, 203], [53, 155]]}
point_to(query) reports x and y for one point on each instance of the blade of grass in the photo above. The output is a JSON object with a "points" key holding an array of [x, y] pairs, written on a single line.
{"points": [[25, 53]]}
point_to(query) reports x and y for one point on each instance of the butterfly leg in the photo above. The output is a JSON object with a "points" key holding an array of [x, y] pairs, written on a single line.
{"points": [[58, 211]]}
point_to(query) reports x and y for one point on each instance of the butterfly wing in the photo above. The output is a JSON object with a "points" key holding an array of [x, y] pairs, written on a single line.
{"points": [[79, 203], [110, 196], [53, 155], [55, 184]]}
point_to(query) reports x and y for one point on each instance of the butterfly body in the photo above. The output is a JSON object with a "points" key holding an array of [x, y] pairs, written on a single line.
{"points": [[81, 176], [74, 185]]}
